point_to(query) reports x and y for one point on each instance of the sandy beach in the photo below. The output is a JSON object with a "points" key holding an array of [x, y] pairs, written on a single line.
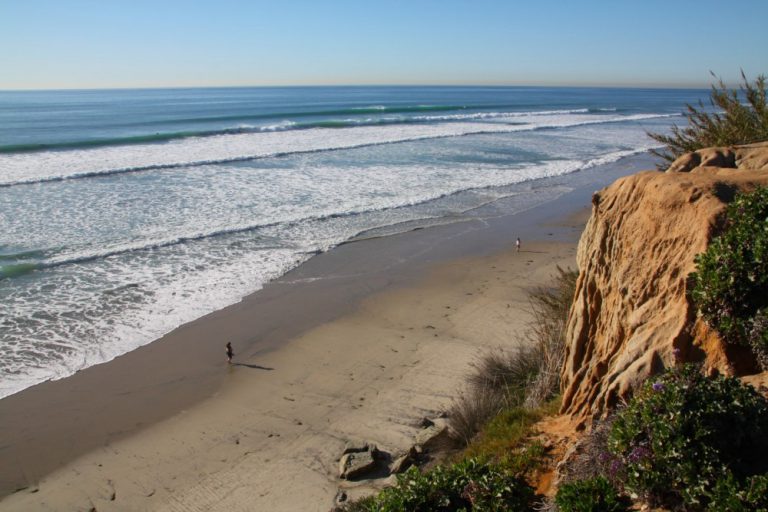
{"points": [[358, 343], [270, 437]]}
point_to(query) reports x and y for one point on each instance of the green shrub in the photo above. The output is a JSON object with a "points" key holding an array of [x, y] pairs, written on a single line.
{"points": [[731, 279], [733, 121], [591, 495], [684, 432], [366, 504], [467, 485], [730, 495], [758, 338]]}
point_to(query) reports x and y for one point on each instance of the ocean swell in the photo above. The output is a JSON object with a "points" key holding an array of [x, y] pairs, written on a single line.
{"points": [[284, 121], [28, 168]]}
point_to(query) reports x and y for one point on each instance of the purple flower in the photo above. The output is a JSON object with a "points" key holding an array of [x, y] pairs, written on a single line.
{"points": [[637, 454], [616, 467], [658, 386]]}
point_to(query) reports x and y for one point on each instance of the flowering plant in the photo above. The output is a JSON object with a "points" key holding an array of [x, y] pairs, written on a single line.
{"points": [[730, 285], [684, 432]]}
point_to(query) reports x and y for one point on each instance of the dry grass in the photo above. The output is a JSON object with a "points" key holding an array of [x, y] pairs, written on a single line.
{"points": [[506, 373], [590, 457], [550, 308], [472, 411], [526, 376], [498, 382]]}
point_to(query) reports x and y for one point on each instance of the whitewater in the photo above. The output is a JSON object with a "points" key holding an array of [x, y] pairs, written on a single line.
{"points": [[126, 214], [57, 165]]}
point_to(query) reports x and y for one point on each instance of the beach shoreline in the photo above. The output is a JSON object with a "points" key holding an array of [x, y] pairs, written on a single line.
{"points": [[50, 429]]}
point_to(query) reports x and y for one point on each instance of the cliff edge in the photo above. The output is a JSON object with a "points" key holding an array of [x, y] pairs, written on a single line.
{"points": [[631, 308]]}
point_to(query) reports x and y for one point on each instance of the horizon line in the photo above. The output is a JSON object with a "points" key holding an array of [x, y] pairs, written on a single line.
{"points": [[350, 85]]}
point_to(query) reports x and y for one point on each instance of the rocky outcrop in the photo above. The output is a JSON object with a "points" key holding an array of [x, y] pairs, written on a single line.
{"points": [[359, 460], [404, 461], [750, 157], [435, 436], [630, 308], [357, 464], [364, 468]]}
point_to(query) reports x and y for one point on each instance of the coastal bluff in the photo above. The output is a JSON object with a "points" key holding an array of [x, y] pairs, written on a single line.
{"points": [[631, 315]]}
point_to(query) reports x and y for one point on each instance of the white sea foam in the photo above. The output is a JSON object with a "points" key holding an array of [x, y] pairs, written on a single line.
{"points": [[156, 290], [72, 337], [282, 125], [55, 165], [127, 260]]}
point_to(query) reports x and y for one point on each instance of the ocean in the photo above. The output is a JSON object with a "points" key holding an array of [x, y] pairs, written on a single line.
{"points": [[126, 213]]}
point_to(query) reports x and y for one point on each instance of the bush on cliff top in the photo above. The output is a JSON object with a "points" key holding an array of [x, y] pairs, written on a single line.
{"points": [[734, 123], [731, 279]]}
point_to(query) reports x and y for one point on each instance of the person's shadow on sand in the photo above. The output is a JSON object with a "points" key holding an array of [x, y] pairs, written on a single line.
{"points": [[254, 366]]}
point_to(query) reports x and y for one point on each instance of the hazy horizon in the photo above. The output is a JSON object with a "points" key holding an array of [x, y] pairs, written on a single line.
{"points": [[142, 44], [372, 85]]}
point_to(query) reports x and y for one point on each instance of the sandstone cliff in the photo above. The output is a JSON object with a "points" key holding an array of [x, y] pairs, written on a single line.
{"points": [[631, 309]]}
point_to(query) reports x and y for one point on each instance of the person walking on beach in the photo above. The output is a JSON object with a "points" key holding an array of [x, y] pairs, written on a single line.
{"points": [[230, 353], [517, 244]]}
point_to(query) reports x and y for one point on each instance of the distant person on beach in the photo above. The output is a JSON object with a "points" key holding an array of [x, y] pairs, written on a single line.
{"points": [[517, 244], [230, 353]]}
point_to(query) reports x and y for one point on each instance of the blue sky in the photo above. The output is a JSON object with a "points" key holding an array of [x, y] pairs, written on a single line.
{"points": [[164, 43]]}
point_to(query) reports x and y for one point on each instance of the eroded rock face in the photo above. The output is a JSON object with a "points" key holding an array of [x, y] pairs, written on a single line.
{"points": [[752, 157], [630, 308], [747, 157]]}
